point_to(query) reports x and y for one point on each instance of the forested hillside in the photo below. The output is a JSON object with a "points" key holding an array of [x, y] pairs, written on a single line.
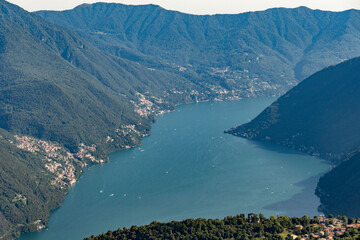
{"points": [[70, 97], [56, 87], [263, 52], [320, 116], [26, 193], [338, 189]]}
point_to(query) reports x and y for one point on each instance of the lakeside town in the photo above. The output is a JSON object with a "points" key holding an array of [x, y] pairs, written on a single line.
{"points": [[57, 160], [319, 227], [251, 86], [326, 228]]}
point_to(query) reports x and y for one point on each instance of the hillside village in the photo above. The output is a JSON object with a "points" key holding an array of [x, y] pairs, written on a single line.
{"points": [[326, 228], [59, 161]]}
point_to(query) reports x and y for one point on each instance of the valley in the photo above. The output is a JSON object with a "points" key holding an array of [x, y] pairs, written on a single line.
{"points": [[176, 174], [320, 117], [78, 85]]}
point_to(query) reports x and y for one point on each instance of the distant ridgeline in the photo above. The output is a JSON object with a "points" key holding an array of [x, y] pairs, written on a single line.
{"points": [[320, 116], [70, 97], [239, 227], [252, 54]]}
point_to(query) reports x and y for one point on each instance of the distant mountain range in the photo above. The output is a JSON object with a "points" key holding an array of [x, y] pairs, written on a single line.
{"points": [[320, 116], [79, 84], [267, 52]]}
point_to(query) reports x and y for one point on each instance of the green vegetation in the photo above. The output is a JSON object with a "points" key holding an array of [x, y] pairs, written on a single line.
{"points": [[257, 53], [101, 86], [46, 96], [337, 190], [320, 116], [26, 195], [239, 227], [56, 87]]}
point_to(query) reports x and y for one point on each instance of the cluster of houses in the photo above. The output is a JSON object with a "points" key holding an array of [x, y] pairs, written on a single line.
{"points": [[149, 105], [34, 145], [329, 228], [126, 130], [58, 160], [324, 228], [144, 107], [85, 153]]}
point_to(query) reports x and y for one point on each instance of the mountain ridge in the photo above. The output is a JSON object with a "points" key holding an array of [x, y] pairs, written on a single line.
{"points": [[288, 120], [248, 36], [320, 116], [56, 87], [85, 93]]}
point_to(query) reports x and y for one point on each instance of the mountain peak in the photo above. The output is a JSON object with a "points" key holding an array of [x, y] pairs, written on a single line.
{"points": [[319, 116]]}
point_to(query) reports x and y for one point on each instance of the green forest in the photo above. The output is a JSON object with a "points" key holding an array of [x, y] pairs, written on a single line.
{"points": [[240, 227], [100, 86]]}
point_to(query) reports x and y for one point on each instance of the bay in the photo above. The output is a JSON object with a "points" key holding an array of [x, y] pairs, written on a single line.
{"points": [[188, 168]]}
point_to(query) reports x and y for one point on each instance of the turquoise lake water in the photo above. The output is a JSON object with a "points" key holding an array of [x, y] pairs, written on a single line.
{"points": [[188, 168]]}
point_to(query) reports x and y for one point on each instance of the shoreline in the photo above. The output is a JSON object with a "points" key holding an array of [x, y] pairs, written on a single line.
{"points": [[103, 180], [43, 226]]}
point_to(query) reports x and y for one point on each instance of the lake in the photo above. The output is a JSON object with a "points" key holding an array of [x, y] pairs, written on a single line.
{"points": [[188, 168]]}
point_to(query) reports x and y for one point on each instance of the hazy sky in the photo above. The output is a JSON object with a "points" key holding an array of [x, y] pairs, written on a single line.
{"points": [[199, 6]]}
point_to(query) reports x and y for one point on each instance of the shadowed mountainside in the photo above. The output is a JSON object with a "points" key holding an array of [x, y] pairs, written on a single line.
{"points": [[80, 94], [54, 86], [320, 116]]}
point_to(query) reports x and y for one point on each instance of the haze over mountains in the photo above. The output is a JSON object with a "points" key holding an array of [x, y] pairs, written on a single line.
{"points": [[92, 81]]}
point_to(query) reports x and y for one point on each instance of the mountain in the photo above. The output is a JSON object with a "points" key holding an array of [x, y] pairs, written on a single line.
{"points": [[64, 104], [44, 94], [70, 97], [26, 193], [258, 53], [320, 116], [339, 189]]}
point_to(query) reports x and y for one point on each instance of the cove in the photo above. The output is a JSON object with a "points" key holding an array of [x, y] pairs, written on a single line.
{"points": [[188, 168]]}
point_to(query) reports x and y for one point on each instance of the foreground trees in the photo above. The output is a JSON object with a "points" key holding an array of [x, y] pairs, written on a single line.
{"points": [[240, 227]]}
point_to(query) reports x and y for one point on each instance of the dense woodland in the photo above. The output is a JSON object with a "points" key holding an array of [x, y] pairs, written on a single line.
{"points": [[238, 227], [338, 188], [26, 194], [320, 116], [102, 82], [241, 51]]}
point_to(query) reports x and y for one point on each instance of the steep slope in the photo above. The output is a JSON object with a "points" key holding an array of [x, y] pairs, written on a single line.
{"points": [[63, 104], [320, 116], [77, 92], [43, 94], [266, 52], [26, 193], [77, 101], [339, 189]]}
